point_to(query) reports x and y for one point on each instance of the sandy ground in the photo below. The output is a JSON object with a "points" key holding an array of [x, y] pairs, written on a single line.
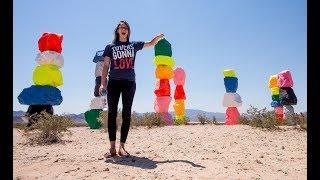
{"points": [[172, 152]]}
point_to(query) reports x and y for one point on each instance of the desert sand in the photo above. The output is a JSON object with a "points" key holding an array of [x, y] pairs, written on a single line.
{"points": [[171, 152]]}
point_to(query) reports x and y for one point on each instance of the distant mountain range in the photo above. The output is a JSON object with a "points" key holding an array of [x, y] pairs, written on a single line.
{"points": [[79, 118], [193, 113], [17, 116]]}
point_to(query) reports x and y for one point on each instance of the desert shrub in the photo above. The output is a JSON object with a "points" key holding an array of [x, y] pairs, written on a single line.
{"points": [[259, 118], [20, 126], [203, 119], [268, 120], [147, 119], [136, 120], [303, 120], [152, 119], [47, 128], [215, 122], [103, 119], [299, 120]]}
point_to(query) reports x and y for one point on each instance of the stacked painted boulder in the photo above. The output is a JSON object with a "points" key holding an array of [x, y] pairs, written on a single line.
{"points": [[231, 99], [164, 72], [275, 103], [46, 76], [179, 95], [283, 96], [98, 103]]}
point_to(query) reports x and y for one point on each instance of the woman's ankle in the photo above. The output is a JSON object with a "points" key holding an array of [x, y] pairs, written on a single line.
{"points": [[121, 145], [112, 145]]}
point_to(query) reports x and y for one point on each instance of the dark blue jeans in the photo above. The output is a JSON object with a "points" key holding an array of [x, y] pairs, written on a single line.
{"points": [[116, 88]]}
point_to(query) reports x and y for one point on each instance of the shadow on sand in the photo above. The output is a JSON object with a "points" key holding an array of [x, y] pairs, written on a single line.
{"points": [[144, 162]]}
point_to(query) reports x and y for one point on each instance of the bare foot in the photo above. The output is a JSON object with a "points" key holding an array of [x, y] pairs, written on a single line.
{"points": [[122, 152], [112, 152]]}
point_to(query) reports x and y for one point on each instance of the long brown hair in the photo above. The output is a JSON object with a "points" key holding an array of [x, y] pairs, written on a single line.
{"points": [[116, 34]]}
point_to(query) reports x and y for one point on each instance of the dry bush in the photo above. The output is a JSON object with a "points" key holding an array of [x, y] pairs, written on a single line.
{"points": [[268, 120], [47, 128], [152, 119], [260, 118], [147, 119], [303, 120], [299, 120], [103, 119], [203, 119], [20, 126], [215, 122], [136, 120]]}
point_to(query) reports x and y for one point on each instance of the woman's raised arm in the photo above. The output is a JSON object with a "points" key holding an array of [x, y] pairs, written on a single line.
{"points": [[153, 41]]}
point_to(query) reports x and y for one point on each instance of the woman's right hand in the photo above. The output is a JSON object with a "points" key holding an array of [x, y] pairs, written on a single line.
{"points": [[159, 36], [101, 89]]}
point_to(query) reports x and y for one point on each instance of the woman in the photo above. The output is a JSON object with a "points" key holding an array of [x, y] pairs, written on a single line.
{"points": [[120, 57]]}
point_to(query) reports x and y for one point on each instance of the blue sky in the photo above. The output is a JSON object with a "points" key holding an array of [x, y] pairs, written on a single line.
{"points": [[256, 38]]}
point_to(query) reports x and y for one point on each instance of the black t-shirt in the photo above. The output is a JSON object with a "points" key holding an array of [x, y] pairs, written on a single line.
{"points": [[122, 56]]}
